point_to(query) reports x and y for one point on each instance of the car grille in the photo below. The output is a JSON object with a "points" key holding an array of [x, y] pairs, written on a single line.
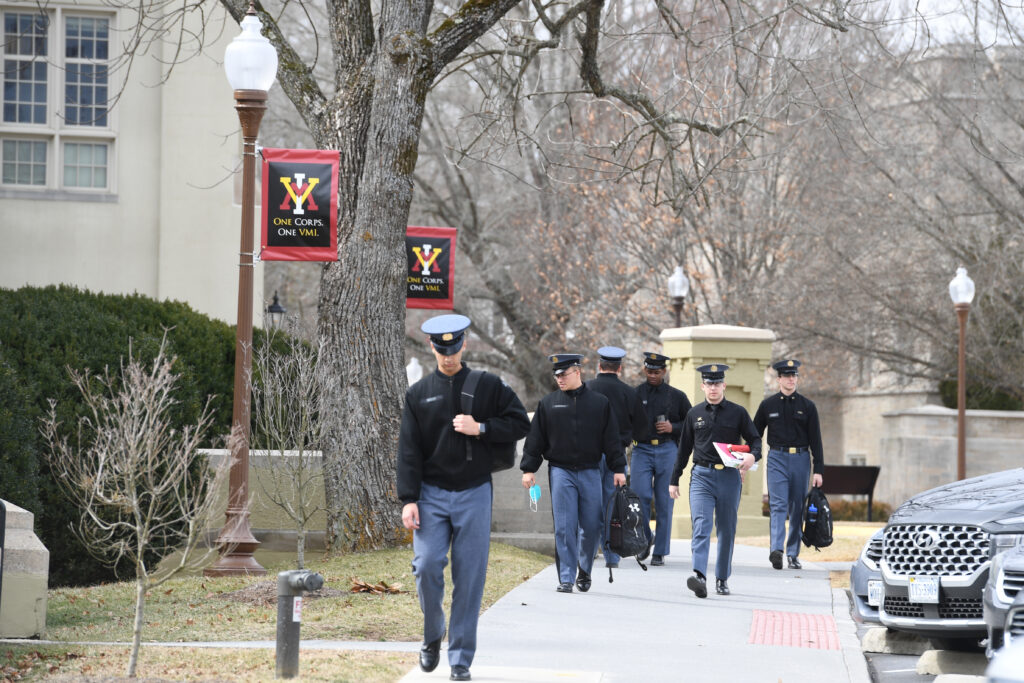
{"points": [[960, 608], [874, 551], [902, 607], [949, 608], [1014, 625], [1013, 583], [935, 549]]}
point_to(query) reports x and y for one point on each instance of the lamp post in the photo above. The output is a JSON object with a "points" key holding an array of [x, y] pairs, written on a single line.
{"points": [[275, 312], [251, 65], [961, 291], [678, 286]]}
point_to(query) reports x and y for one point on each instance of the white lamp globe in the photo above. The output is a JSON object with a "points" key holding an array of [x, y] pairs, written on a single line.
{"points": [[250, 60], [678, 284], [961, 287]]}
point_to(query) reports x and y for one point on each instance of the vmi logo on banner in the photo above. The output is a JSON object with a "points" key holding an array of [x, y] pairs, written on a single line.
{"points": [[300, 205], [431, 256]]}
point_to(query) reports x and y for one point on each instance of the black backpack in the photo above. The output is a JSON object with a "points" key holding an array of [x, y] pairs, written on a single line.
{"points": [[504, 454], [817, 520], [628, 531]]}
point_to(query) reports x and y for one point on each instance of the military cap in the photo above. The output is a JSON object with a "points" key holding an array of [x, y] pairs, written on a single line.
{"points": [[786, 367], [447, 332], [713, 373], [655, 361], [561, 362], [611, 354]]}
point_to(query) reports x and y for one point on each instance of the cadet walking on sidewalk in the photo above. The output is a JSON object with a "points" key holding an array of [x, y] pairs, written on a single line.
{"points": [[629, 414], [654, 456], [444, 481], [794, 437], [573, 428], [714, 488]]}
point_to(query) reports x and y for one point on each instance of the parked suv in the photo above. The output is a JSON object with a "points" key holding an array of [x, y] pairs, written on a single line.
{"points": [[866, 581], [1004, 593], [936, 552]]}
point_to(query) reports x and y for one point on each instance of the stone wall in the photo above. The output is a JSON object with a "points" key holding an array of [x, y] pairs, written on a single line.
{"points": [[917, 448]]}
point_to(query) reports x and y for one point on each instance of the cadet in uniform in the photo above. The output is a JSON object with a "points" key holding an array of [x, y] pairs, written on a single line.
{"points": [[714, 488], [794, 433], [444, 482], [629, 415], [573, 428], [654, 456]]}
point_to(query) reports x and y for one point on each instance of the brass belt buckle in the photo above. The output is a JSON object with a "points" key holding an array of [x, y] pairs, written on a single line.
{"points": [[719, 467], [792, 450], [654, 442]]}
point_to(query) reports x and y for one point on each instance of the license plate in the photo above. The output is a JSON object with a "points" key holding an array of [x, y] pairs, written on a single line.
{"points": [[924, 589], [874, 593]]}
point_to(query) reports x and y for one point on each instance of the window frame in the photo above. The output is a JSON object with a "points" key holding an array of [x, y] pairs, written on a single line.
{"points": [[57, 131]]}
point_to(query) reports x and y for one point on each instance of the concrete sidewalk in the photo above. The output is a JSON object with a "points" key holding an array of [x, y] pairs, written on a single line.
{"points": [[777, 626]]}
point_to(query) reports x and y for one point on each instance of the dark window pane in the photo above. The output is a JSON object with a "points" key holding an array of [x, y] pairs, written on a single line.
{"points": [[10, 112], [39, 114]]}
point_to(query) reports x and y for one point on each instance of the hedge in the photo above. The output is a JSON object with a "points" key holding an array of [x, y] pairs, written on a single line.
{"points": [[43, 332]]}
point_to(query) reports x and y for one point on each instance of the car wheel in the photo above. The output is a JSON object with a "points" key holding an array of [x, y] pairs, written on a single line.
{"points": [[956, 644]]}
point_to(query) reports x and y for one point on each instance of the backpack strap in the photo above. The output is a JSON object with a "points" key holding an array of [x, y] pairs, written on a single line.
{"points": [[468, 390]]}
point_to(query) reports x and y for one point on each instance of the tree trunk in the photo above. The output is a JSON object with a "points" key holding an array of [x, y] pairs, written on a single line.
{"points": [[140, 604], [362, 300]]}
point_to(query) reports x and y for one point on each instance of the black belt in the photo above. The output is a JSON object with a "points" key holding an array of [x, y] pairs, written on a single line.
{"points": [[654, 442], [792, 449], [715, 466]]}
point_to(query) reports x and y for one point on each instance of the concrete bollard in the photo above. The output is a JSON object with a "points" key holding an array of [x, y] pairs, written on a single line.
{"points": [[290, 587]]}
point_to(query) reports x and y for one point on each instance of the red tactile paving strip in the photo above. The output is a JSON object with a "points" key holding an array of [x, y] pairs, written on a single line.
{"points": [[791, 629]]}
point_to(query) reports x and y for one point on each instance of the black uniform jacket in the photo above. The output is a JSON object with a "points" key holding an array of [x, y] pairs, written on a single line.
{"points": [[429, 448], [791, 421], [573, 429], [626, 406], [727, 422], [666, 400]]}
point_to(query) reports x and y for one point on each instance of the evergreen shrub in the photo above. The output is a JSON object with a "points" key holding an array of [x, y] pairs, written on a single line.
{"points": [[43, 331]]}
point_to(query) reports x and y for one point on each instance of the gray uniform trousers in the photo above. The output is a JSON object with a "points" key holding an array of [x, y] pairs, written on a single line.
{"points": [[714, 499], [461, 519], [576, 510], [789, 477]]}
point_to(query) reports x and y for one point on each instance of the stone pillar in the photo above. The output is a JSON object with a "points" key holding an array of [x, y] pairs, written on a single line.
{"points": [[747, 351], [26, 568]]}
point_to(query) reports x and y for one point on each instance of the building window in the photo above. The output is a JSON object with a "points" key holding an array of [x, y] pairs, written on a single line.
{"points": [[55, 101], [85, 165], [24, 162], [86, 44], [25, 38]]}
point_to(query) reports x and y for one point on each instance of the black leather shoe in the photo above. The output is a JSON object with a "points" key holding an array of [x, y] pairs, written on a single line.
{"points": [[775, 557], [698, 585], [564, 588], [460, 673], [721, 587], [430, 654], [583, 581], [794, 563], [657, 561]]}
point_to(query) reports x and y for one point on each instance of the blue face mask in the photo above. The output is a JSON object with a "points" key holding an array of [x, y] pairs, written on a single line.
{"points": [[534, 496]]}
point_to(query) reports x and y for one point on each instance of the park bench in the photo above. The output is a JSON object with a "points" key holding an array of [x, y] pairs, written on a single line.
{"points": [[856, 480]]}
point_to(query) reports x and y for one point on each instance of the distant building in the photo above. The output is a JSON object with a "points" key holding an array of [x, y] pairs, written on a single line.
{"points": [[117, 185]]}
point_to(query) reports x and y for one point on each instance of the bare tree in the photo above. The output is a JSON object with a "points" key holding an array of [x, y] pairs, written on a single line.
{"points": [[143, 488], [289, 388]]}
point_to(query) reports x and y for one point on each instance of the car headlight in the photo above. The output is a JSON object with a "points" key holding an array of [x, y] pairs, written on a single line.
{"points": [[1000, 543], [872, 552]]}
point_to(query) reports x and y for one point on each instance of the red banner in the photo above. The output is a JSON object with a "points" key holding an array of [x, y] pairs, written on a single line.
{"points": [[431, 256], [300, 205]]}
